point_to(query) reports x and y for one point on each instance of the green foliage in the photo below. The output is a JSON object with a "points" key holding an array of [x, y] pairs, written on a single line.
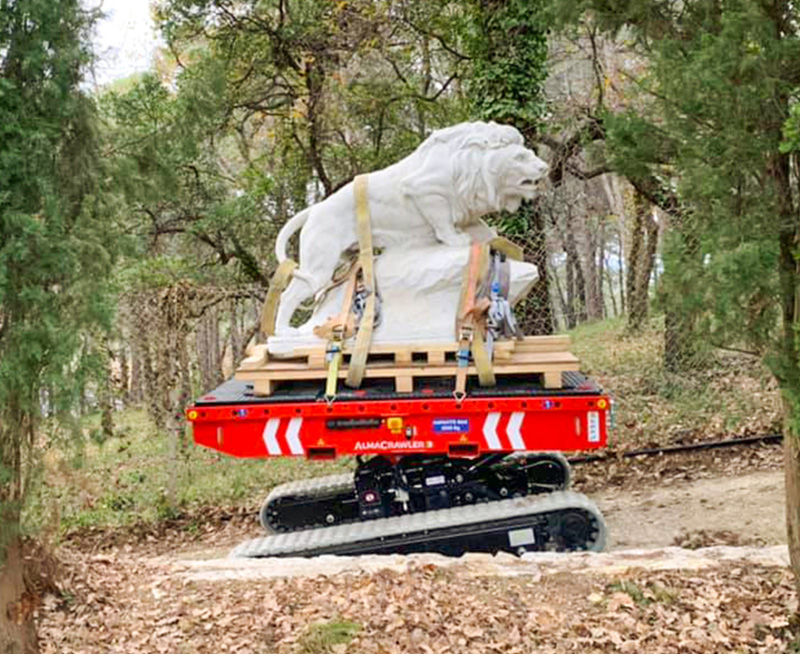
{"points": [[712, 126], [122, 481], [651, 593], [791, 130], [322, 636], [350, 86], [267, 105], [507, 40], [57, 225]]}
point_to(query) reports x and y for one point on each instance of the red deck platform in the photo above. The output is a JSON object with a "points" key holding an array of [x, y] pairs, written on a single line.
{"points": [[240, 424]]}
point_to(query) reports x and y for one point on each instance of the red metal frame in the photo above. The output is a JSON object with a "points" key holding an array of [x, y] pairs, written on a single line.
{"points": [[404, 426]]}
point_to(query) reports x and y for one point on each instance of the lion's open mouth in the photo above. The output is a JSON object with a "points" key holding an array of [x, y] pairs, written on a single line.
{"points": [[527, 182]]}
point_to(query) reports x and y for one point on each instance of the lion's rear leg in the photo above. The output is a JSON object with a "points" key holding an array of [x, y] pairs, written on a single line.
{"points": [[295, 294]]}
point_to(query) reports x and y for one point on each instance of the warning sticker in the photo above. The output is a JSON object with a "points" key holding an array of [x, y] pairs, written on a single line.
{"points": [[451, 425], [594, 426]]}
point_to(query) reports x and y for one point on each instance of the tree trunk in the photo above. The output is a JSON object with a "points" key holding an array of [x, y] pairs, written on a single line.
{"points": [[574, 260], [137, 378], [610, 281], [124, 376], [601, 260], [791, 460], [644, 246], [538, 315], [617, 204], [588, 238], [788, 374], [679, 346], [561, 299], [634, 262], [236, 334], [569, 310], [17, 628], [206, 335]]}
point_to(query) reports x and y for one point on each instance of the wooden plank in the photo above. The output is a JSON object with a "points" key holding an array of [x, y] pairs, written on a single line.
{"points": [[379, 371], [393, 348], [533, 361], [544, 344], [436, 357], [317, 360], [257, 359]]}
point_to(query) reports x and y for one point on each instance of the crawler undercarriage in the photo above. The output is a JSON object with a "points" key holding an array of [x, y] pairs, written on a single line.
{"points": [[497, 502], [465, 490]]}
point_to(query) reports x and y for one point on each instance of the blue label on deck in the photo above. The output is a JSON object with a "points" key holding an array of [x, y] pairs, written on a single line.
{"points": [[451, 425]]}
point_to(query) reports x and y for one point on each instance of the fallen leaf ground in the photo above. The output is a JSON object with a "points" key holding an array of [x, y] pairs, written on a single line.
{"points": [[120, 593], [125, 605]]}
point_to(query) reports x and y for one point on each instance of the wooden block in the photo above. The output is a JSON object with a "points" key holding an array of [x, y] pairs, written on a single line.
{"points": [[263, 387], [404, 384], [256, 360], [552, 380], [402, 356], [316, 360], [436, 357]]}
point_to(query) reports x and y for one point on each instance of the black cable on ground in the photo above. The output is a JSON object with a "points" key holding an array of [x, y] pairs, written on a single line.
{"points": [[675, 449]]}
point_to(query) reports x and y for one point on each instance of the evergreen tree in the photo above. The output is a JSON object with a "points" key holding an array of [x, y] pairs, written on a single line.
{"points": [[720, 84], [54, 254]]}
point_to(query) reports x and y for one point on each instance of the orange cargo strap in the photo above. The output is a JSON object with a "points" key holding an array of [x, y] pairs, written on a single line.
{"points": [[470, 338]]}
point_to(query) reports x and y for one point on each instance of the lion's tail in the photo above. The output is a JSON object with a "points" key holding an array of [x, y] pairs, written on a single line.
{"points": [[286, 232]]}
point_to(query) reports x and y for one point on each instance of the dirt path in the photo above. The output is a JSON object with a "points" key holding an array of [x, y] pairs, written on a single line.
{"points": [[740, 510]]}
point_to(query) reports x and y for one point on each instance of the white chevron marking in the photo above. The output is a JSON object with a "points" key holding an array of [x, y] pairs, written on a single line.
{"points": [[270, 436], [490, 431], [293, 436], [513, 430]]}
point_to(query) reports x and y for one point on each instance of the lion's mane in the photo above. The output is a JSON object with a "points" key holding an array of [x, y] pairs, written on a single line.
{"points": [[473, 168]]}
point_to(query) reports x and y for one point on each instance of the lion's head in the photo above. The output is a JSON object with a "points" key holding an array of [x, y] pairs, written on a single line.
{"points": [[479, 167]]}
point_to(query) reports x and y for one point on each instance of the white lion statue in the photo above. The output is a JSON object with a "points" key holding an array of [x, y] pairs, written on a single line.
{"points": [[456, 176]]}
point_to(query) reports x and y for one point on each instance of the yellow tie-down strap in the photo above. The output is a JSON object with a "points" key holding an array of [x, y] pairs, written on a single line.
{"points": [[277, 285], [358, 358], [336, 330]]}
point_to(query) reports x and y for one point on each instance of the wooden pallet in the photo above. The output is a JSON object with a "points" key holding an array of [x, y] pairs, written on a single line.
{"points": [[543, 356]]}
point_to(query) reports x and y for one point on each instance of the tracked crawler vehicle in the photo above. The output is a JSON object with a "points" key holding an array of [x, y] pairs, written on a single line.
{"points": [[434, 472]]}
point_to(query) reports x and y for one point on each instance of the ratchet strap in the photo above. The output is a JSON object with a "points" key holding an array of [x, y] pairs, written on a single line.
{"points": [[358, 358], [335, 330], [468, 328], [277, 285]]}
